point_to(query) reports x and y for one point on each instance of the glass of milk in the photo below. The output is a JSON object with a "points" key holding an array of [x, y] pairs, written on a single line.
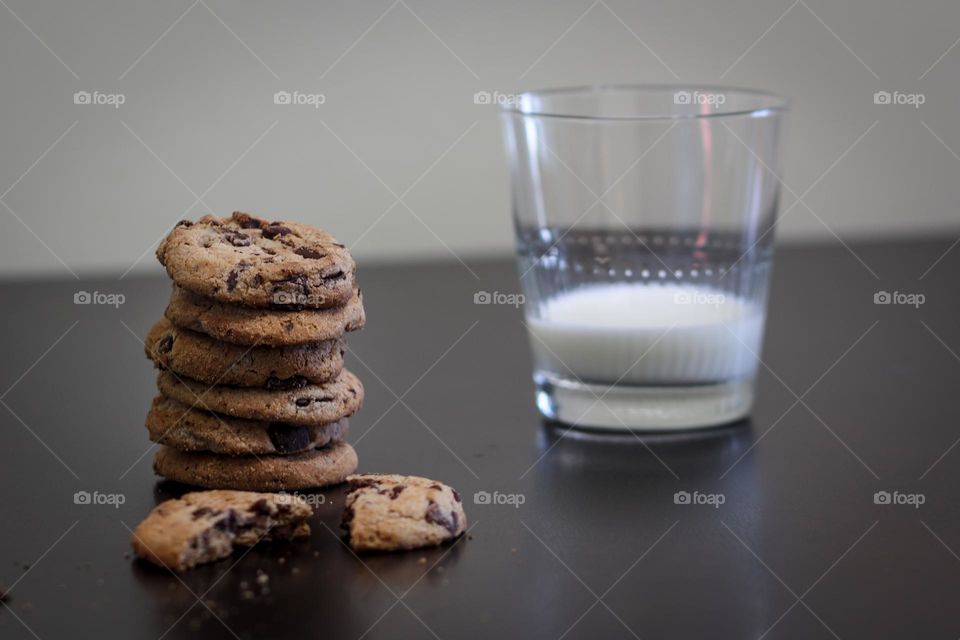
{"points": [[644, 218]]}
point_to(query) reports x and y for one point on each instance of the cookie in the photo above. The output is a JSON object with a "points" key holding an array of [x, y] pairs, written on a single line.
{"points": [[311, 404], [268, 327], [310, 469], [253, 262], [391, 512], [206, 526], [198, 356], [177, 425]]}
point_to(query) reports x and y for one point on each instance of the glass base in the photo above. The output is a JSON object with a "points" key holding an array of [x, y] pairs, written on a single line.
{"points": [[635, 408]]}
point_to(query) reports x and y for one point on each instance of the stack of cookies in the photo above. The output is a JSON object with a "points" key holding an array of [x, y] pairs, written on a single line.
{"points": [[253, 393]]}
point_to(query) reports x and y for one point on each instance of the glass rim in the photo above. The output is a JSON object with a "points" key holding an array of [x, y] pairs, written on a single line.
{"points": [[774, 103]]}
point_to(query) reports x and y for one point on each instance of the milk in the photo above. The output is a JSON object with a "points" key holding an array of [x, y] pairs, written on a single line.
{"points": [[647, 334]]}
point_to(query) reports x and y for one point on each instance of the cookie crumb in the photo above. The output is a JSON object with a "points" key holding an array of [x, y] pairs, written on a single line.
{"points": [[262, 578], [422, 560]]}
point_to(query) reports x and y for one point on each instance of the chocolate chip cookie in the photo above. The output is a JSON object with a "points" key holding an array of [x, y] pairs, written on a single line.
{"points": [[177, 425], [390, 512], [198, 356], [310, 404], [315, 468], [206, 526], [269, 327], [253, 262]]}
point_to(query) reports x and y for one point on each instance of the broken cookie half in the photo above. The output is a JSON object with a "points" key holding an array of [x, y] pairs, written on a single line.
{"points": [[206, 526], [392, 512]]}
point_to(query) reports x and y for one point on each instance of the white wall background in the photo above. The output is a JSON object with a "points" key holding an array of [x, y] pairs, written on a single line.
{"points": [[91, 189]]}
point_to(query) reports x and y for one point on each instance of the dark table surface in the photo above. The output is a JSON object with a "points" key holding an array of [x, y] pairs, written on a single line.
{"points": [[855, 398]]}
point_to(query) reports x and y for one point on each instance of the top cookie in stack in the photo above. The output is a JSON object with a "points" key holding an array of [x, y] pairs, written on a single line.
{"points": [[253, 394], [255, 263]]}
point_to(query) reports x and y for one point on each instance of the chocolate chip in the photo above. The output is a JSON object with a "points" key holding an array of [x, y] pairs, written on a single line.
{"points": [[288, 438], [435, 516], [257, 280], [166, 345], [237, 239], [232, 279], [273, 230], [436, 486], [261, 507], [202, 512], [288, 325], [303, 402], [361, 483], [456, 496], [185, 224], [246, 221], [295, 382], [228, 523], [395, 491], [308, 252]]}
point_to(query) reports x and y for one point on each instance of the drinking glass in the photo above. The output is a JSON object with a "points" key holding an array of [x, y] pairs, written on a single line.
{"points": [[644, 219]]}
